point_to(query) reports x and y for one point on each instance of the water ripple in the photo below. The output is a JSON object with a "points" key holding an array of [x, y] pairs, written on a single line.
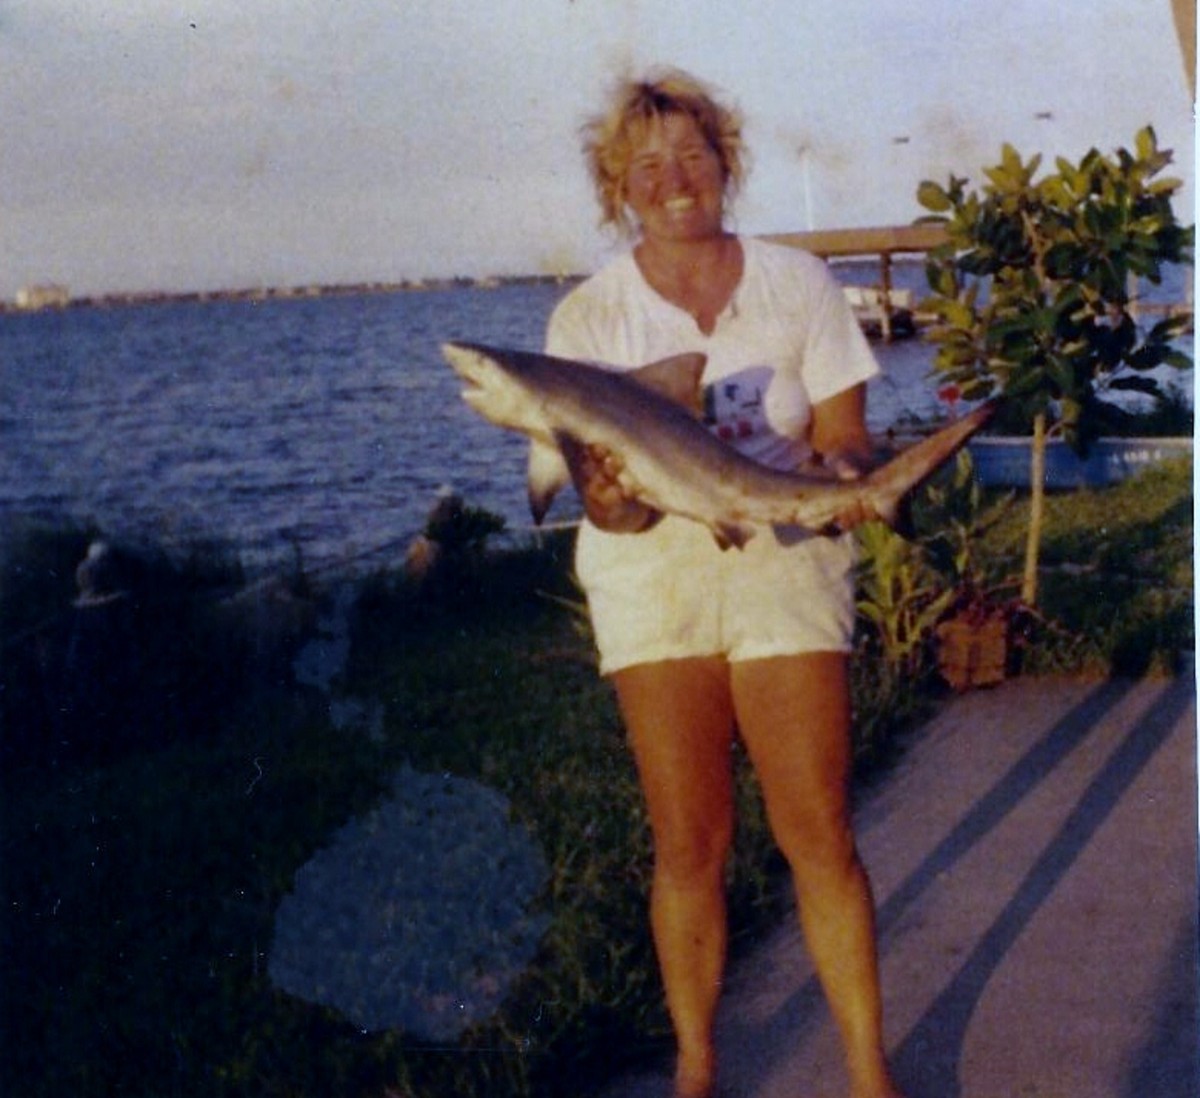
{"points": [[331, 422]]}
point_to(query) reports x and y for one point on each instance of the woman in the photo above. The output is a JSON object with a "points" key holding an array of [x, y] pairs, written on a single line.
{"points": [[699, 641]]}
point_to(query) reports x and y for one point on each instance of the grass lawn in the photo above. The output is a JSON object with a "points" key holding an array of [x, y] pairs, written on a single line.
{"points": [[1116, 573], [139, 886]]}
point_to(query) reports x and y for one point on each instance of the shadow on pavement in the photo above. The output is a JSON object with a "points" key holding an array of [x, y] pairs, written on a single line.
{"points": [[927, 1061]]}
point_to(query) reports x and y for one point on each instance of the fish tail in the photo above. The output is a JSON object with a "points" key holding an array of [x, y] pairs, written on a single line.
{"points": [[891, 484]]}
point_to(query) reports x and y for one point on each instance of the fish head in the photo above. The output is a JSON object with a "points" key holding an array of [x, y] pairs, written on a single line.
{"points": [[494, 388]]}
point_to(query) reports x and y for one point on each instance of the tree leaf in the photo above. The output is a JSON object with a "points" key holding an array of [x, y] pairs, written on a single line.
{"points": [[934, 197], [1136, 384], [1146, 143], [1001, 178], [1167, 186], [1031, 291], [1170, 327]]}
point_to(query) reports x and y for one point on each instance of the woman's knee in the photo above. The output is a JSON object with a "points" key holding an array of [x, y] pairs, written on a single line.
{"points": [[816, 843], [694, 854]]}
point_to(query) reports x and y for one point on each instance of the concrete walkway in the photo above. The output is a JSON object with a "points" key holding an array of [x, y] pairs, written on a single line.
{"points": [[1034, 863]]}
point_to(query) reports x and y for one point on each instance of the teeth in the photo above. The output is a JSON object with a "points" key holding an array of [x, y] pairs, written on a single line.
{"points": [[683, 202]]}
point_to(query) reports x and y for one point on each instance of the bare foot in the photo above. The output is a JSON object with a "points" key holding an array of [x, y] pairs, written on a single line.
{"points": [[692, 1088], [695, 1076], [875, 1082], [887, 1089]]}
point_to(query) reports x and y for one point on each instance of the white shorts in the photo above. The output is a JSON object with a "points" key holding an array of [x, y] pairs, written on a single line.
{"points": [[672, 592]]}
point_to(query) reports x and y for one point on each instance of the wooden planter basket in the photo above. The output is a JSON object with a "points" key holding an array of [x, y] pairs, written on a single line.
{"points": [[972, 652]]}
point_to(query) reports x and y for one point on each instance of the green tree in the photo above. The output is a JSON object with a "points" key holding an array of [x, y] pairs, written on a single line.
{"points": [[1034, 293]]}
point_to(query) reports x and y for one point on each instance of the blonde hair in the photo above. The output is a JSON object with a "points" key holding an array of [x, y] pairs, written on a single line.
{"points": [[609, 138]]}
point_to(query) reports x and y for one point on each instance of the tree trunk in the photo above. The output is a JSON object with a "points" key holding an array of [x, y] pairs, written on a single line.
{"points": [[1037, 506]]}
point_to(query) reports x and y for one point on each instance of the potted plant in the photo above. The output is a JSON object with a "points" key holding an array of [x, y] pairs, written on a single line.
{"points": [[982, 620], [973, 645], [902, 598], [928, 601], [1033, 294]]}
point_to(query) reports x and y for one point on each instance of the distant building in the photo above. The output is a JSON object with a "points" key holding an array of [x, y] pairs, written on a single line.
{"points": [[47, 296]]}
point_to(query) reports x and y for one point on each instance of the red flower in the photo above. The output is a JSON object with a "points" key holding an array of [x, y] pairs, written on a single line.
{"points": [[951, 394]]}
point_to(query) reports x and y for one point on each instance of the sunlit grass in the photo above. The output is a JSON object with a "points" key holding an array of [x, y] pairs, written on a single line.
{"points": [[1117, 573]]}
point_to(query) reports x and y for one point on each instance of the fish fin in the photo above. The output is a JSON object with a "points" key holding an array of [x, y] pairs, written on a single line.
{"points": [[547, 474], [677, 378], [897, 512], [728, 534], [573, 453]]}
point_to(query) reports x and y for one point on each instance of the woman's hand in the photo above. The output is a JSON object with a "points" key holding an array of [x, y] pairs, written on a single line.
{"points": [[851, 467], [606, 499]]}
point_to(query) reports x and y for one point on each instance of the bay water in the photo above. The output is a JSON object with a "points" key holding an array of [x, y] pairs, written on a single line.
{"points": [[324, 425]]}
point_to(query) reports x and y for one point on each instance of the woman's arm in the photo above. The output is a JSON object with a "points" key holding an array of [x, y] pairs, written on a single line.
{"points": [[839, 431], [839, 435]]}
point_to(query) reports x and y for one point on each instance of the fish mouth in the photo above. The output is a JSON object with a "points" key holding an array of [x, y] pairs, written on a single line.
{"points": [[472, 387], [465, 362], [471, 369]]}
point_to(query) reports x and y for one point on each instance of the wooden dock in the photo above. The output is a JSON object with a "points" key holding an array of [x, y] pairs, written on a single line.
{"points": [[885, 240], [890, 310], [887, 305]]}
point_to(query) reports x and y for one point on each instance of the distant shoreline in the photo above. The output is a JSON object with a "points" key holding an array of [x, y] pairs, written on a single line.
{"points": [[286, 293], [880, 245]]}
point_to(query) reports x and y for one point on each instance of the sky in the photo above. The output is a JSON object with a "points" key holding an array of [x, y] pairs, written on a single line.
{"points": [[182, 145]]}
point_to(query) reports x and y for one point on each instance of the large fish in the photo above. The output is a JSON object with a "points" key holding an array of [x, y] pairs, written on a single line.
{"points": [[649, 419]]}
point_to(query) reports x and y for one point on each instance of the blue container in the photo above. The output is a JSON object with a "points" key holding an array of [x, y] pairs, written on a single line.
{"points": [[1004, 462]]}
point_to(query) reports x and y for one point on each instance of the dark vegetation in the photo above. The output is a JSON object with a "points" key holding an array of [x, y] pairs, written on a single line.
{"points": [[164, 777]]}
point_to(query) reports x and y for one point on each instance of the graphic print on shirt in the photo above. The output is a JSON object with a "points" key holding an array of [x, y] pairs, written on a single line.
{"points": [[734, 406]]}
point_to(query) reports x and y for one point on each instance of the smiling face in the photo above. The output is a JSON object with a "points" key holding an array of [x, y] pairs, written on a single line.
{"points": [[675, 183], [660, 110]]}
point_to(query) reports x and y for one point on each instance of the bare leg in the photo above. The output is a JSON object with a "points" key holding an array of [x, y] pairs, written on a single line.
{"points": [[794, 714], [680, 723]]}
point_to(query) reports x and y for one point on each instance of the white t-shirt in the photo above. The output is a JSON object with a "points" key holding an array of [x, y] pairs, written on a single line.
{"points": [[787, 340]]}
